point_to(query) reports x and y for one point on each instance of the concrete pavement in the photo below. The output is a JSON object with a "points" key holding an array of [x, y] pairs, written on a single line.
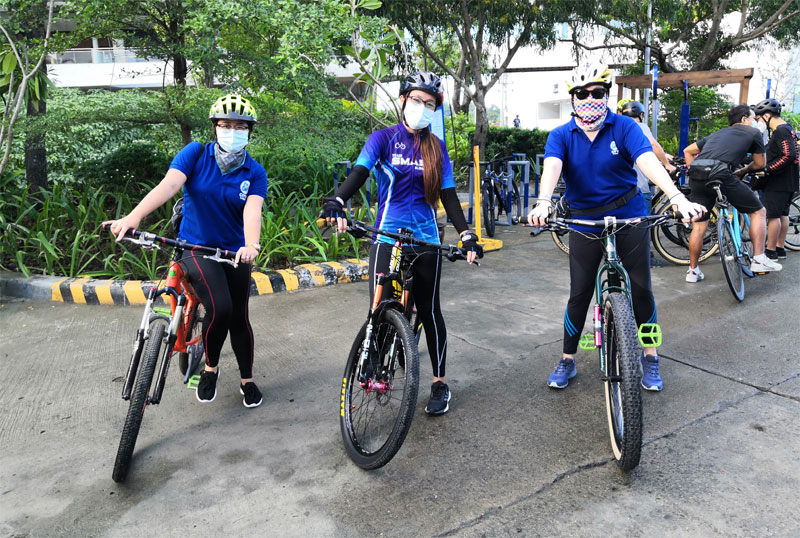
{"points": [[512, 458]]}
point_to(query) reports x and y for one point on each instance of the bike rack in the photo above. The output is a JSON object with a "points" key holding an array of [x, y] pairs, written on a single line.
{"points": [[520, 165]]}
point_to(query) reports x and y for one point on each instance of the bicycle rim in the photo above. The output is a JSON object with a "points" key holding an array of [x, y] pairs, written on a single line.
{"points": [[487, 205], [376, 410], [560, 236], [730, 259], [138, 403], [793, 237], [622, 386], [671, 241]]}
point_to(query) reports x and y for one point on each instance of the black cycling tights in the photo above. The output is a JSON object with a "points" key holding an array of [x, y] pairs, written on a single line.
{"points": [[224, 291], [633, 247], [425, 292]]}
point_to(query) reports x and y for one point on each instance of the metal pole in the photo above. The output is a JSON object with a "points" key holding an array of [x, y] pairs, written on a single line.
{"points": [[646, 98], [654, 127]]}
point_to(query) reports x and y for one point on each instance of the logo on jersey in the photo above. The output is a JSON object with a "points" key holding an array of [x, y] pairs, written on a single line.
{"points": [[614, 150], [244, 187], [399, 145]]}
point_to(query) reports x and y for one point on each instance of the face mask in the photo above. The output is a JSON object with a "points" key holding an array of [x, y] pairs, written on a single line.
{"points": [[590, 112], [232, 140], [417, 116]]}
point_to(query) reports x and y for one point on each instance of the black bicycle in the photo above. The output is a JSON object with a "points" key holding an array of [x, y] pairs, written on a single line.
{"points": [[381, 379], [499, 195]]}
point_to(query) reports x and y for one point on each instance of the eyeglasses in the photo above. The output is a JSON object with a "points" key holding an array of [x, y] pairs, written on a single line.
{"points": [[597, 93], [236, 126], [430, 105]]}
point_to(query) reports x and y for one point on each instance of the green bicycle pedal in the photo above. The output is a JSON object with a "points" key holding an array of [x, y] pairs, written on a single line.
{"points": [[162, 311], [650, 334], [587, 342], [193, 382]]}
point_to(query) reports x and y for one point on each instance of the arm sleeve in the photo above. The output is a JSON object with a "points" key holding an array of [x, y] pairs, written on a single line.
{"points": [[700, 143], [787, 153], [453, 209], [187, 157], [357, 177]]}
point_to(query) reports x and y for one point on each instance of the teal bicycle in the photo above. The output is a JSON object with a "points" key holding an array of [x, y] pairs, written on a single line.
{"points": [[616, 336]]}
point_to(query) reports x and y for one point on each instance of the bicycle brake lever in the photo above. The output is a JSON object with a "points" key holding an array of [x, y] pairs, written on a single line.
{"points": [[143, 242], [217, 258]]}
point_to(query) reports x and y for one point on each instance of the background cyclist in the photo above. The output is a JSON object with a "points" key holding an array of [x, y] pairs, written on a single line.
{"points": [[596, 151], [413, 172], [729, 146], [782, 173], [223, 193]]}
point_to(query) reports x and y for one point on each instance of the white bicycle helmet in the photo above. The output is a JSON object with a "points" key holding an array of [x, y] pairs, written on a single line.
{"points": [[589, 74]]}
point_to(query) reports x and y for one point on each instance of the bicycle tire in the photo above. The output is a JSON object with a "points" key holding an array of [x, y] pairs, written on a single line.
{"points": [[189, 361], [487, 205], [730, 259], [559, 236], [622, 385], [138, 403], [374, 424], [516, 203], [671, 241], [792, 241]]}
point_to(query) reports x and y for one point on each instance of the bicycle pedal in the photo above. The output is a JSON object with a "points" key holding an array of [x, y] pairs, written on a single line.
{"points": [[193, 382], [587, 342], [650, 334]]}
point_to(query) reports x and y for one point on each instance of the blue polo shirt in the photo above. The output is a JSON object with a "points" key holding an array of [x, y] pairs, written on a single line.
{"points": [[598, 172], [401, 187], [213, 204]]}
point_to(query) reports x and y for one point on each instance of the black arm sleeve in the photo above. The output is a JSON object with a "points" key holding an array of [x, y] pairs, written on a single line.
{"points": [[357, 177], [453, 209]]}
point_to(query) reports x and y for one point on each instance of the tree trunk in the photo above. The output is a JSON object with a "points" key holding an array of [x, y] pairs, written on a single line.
{"points": [[35, 150], [481, 122], [179, 72]]}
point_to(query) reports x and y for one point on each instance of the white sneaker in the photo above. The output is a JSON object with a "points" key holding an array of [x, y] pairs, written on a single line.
{"points": [[764, 265], [694, 275]]}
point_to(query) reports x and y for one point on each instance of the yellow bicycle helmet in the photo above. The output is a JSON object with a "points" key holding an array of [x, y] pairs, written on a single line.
{"points": [[233, 107], [588, 74]]}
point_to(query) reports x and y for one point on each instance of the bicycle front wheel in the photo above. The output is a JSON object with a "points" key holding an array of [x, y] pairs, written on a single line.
{"points": [[622, 383], [487, 206], [793, 237], [378, 401], [130, 431], [730, 258], [560, 236], [671, 241]]}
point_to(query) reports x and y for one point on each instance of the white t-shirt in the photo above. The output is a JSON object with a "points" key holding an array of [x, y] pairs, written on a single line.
{"points": [[641, 180]]}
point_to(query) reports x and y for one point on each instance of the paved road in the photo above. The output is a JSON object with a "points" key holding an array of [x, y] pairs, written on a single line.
{"points": [[512, 458]]}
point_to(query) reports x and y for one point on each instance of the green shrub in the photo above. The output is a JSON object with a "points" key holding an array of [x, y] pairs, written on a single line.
{"points": [[133, 169]]}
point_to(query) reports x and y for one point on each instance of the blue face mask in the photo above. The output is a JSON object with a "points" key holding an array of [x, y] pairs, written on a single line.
{"points": [[417, 116], [232, 140]]}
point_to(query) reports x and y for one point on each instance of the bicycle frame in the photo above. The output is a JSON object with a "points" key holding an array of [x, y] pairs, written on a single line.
{"points": [[731, 215]]}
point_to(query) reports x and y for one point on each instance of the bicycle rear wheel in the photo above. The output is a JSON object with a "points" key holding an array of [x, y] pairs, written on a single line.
{"points": [[793, 237], [730, 258], [487, 205], [671, 241], [378, 404], [189, 362], [130, 431], [622, 384]]}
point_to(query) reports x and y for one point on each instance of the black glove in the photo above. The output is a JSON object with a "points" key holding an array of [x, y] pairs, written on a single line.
{"points": [[469, 242], [333, 207]]}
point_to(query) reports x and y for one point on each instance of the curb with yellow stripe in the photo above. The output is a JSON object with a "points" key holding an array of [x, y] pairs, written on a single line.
{"points": [[134, 292]]}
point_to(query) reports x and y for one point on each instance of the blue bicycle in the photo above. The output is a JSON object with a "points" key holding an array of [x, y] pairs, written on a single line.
{"points": [[734, 251]]}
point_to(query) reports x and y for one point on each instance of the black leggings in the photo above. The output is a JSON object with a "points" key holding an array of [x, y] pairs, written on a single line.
{"points": [[425, 292], [224, 291], [633, 247]]}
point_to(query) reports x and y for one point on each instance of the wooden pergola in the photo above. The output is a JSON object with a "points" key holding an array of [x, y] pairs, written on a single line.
{"points": [[694, 78]]}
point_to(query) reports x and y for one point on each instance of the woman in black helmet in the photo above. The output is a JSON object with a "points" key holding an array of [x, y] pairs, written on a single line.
{"points": [[413, 173], [223, 193]]}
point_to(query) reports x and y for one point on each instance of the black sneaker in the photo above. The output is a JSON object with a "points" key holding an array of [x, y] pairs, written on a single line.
{"points": [[781, 252], [252, 396], [772, 254], [438, 404], [207, 387]]}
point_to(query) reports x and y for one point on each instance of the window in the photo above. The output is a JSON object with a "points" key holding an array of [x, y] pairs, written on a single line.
{"points": [[549, 111]]}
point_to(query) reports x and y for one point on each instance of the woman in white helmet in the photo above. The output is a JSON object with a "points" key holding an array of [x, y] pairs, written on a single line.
{"points": [[223, 193], [596, 151]]}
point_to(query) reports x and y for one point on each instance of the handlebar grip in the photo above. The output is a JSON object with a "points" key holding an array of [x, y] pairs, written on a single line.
{"points": [[130, 232]]}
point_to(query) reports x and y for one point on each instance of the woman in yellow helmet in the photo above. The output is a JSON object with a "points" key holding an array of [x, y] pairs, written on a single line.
{"points": [[223, 193]]}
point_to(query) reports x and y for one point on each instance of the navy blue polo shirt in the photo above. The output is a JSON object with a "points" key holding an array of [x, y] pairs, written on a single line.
{"points": [[598, 172], [213, 204]]}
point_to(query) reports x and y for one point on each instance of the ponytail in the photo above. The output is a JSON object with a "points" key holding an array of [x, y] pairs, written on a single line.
{"points": [[431, 153]]}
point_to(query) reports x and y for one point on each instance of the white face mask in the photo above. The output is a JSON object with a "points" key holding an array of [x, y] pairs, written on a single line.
{"points": [[232, 140], [417, 116]]}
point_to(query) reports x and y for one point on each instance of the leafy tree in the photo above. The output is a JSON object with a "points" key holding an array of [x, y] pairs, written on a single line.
{"points": [[706, 104], [689, 35]]}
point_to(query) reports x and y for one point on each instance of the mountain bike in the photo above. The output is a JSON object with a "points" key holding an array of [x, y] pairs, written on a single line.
{"points": [[499, 194], [162, 332], [616, 337], [381, 378], [671, 238]]}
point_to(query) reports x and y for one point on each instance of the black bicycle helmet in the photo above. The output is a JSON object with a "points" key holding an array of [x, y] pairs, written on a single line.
{"points": [[634, 109], [768, 105], [424, 81]]}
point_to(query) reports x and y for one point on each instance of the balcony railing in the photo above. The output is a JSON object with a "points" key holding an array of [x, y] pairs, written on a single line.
{"points": [[99, 55]]}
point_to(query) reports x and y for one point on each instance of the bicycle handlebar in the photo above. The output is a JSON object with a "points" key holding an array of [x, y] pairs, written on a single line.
{"points": [[561, 224], [451, 252], [151, 240]]}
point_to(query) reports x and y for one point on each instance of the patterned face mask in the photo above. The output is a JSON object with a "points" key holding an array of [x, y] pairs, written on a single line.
{"points": [[590, 112]]}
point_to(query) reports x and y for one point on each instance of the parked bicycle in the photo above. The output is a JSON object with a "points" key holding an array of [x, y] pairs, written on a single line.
{"points": [[616, 336], [792, 241], [499, 195], [381, 378], [162, 332]]}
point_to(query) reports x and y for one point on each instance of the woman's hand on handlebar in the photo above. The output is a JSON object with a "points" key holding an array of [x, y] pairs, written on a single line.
{"points": [[690, 211], [540, 212], [469, 242], [247, 254], [333, 212], [120, 226]]}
